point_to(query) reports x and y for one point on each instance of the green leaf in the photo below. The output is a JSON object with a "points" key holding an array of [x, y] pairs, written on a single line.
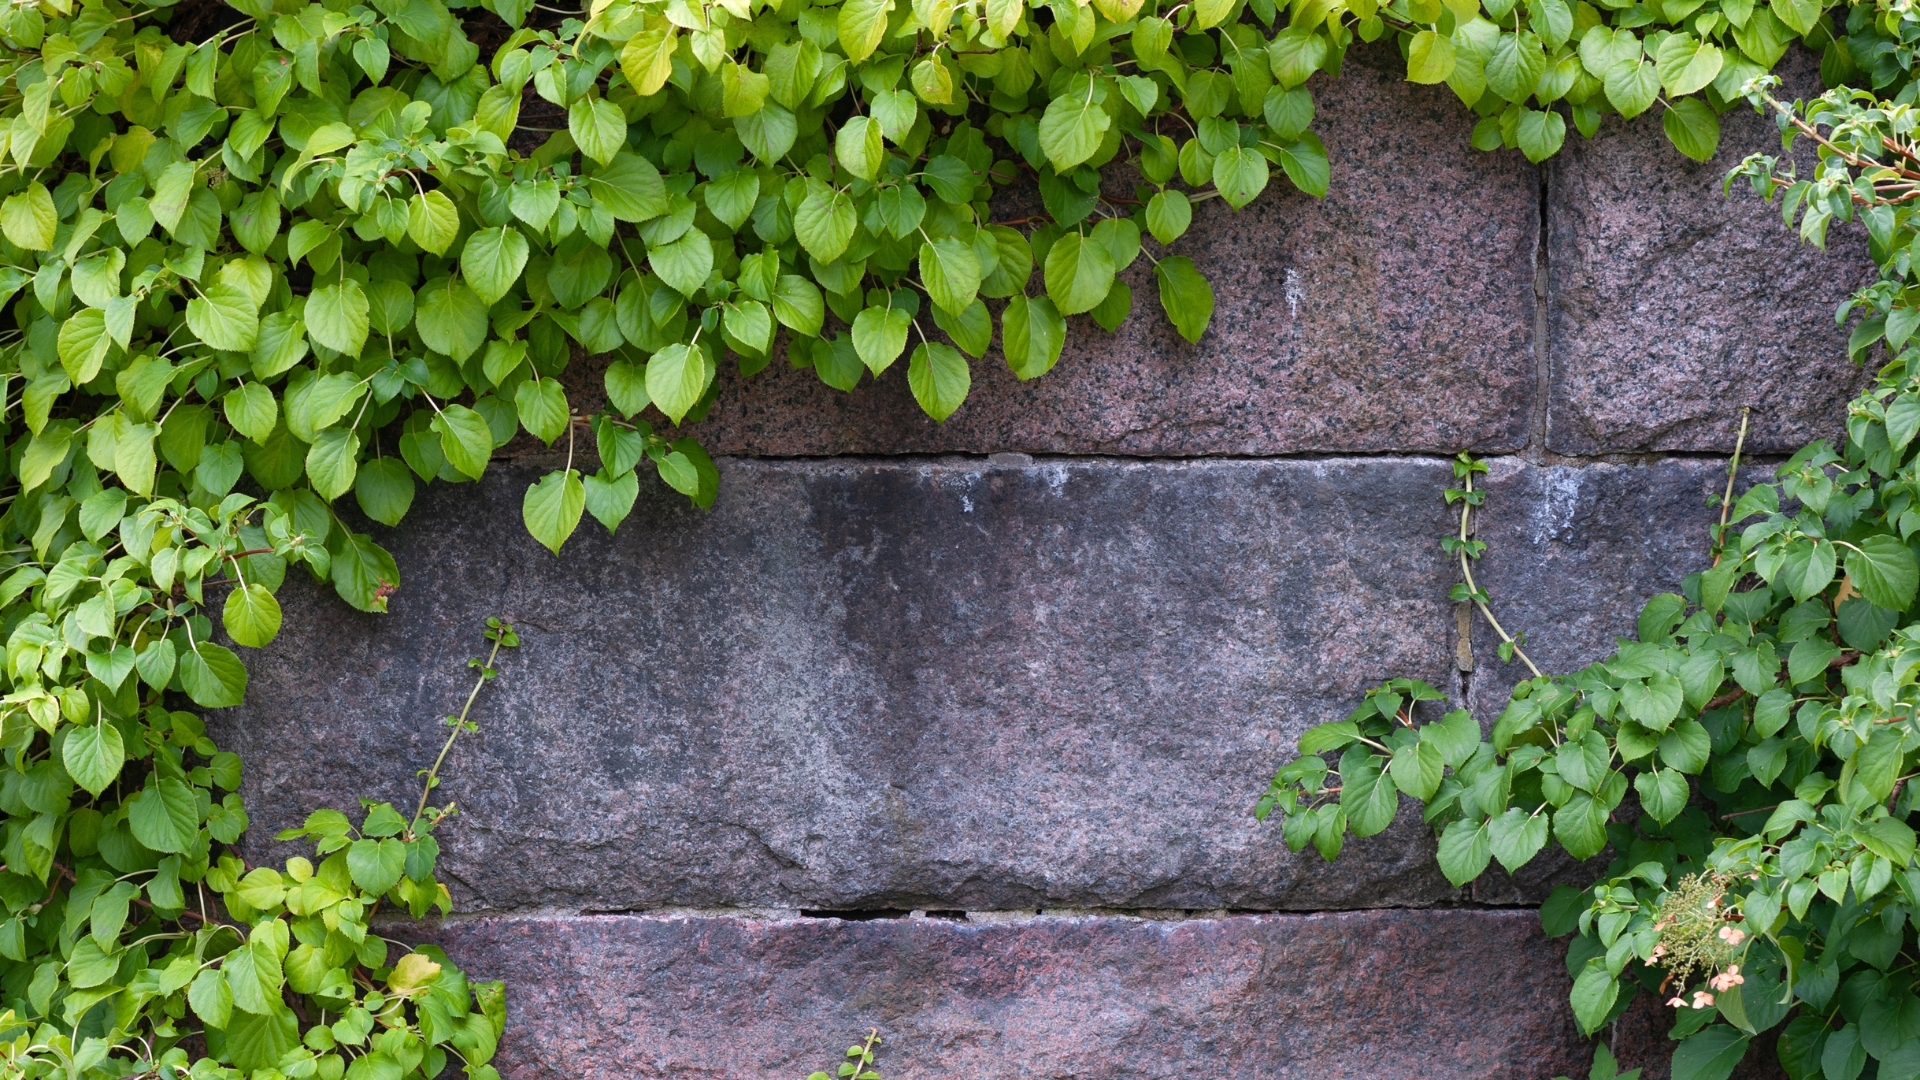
{"points": [[1032, 334], [553, 506], [1295, 54], [1240, 175], [1710, 1055], [1632, 87], [679, 473], [880, 336], [677, 378], [1369, 797], [1169, 214], [610, 500], [1113, 311], [225, 318], [1429, 58], [165, 815], [1553, 21], [44, 451], [939, 378], [1594, 993], [769, 133], [1540, 134], [629, 188], [861, 25], [1693, 128], [214, 678], [1685, 64], [465, 439], [212, 1001], [1884, 571], [28, 218], [1654, 702], [543, 408], [626, 386], [452, 320], [433, 221], [384, 490], [282, 344], [731, 197], [492, 261], [1686, 746], [377, 865], [1663, 793], [83, 344], [1798, 15], [1809, 658], [1809, 568], [155, 663], [1417, 769], [331, 462], [1515, 67], [825, 221], [336, 317], [1185, 296], [1305, 162], [251, 616], [364, 574], [1078, 273], [93, 754], [971, 328], [858, 147], [1517, 837], [1581, 826], [252, 410], [256, 1041], [1464, 852], [598, 128], [798, 305], [1072, 128], [951, 273]]}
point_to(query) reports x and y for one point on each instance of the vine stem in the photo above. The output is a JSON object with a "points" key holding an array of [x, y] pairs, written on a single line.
{"points": [[433, 774], [1466, 511], [1733, 471]]}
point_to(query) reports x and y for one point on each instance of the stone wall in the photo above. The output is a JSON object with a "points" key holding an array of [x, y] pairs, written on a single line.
{"points": [[954, 731]]}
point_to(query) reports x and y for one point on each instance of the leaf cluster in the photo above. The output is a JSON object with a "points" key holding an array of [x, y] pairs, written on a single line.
{"points": [[1746, 760], [350, 248], [133, 941]]}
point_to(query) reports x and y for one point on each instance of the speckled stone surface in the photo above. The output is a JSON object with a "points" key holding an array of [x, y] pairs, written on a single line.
{"points": [[1389, 995], [867, 684], [1396, 314], [939, 684], [1671, 306]]}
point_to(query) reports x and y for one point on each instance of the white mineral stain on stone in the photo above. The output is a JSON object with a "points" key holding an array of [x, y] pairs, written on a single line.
{"points": [[1293, 293], [1559, 499]]}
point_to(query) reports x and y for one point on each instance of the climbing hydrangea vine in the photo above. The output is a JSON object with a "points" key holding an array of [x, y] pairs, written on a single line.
{"points": [[258, 259]]}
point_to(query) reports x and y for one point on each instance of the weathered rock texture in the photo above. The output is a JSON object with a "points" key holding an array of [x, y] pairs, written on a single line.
{"points": [[1671, 306], [1391, 995], [952, 684], [1396, 314], [880, 684], [1006, 685]]}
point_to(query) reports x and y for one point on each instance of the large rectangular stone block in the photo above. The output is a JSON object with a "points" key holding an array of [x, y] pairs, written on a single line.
{"points": [[1389, 995], [1672, 305], [930, 684], [868, 684], [1397, 314]]}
